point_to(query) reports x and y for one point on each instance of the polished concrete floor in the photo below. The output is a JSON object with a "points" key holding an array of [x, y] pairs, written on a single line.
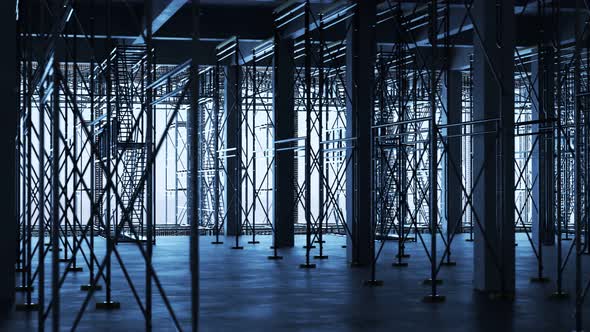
{"points": [[243, 291]]}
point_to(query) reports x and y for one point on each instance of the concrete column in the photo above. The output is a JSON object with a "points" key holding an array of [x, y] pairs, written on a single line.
{"points": [[360, 60], [284, 121], [233, 188], [8, 244], [493, 146], [543, 74], [452, 97]]}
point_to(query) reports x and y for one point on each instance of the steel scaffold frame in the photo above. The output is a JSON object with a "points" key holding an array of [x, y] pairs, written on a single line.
{"points": [[93, 115], [409, 146]]}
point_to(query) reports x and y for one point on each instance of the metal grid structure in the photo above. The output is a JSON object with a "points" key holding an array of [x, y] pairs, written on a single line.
{"points": [[87, 147], [87, 159]]}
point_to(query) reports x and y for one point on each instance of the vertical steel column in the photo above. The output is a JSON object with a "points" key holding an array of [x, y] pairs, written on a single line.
{"points": [[149, 199], [232, 96], [108, 304], [166, 154], [493, 143], [29, 181], [216, 150], [55, 195], [360, 58], [26, 259], [245, 144], [543, 161], [41, 222], [284, 128], [454, 193], [8, 240], [76, 242], [236, 132], [542, 158], [193, 162], [176, 156], [19, 143], [308, 111], [578, 33], [94, 204], [433, 157], [320, 119], [557, 132], [469, 151], [401, 156], [586, 144], [253, 126], [66, 135]]}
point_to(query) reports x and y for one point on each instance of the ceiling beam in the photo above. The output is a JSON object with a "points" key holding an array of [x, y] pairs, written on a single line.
{"points": [[163, 10]]}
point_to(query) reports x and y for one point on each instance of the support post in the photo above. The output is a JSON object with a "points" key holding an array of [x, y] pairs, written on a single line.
{"points": [[148, 109], [55, 204], [8, 243], [452, 90], [360, 58], [493, 147], [543, 209], [192, 127], [284, 121], [216, 151], [233, 119], [578, 164]]}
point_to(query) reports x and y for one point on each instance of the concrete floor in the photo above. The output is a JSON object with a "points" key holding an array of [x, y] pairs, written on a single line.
{"points": [[243, 291]]}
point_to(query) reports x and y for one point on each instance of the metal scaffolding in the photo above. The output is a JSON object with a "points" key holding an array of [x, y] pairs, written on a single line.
{"points": [[322, 128], [87, 150]]}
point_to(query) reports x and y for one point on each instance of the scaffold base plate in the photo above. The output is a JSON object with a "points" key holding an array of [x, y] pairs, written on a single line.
{"points": [[320, 257], [559, 296], [449, 263], [312, 247], [111, 305], [429, 282], [540, 280], [27, 307], [24, 288], [501, 296], [307, 266], [275, 257], [89, 287], [253, 242], [216, 242], [434, 299], [237, 247], [399, 264], [373, 283], [74, 269]]}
